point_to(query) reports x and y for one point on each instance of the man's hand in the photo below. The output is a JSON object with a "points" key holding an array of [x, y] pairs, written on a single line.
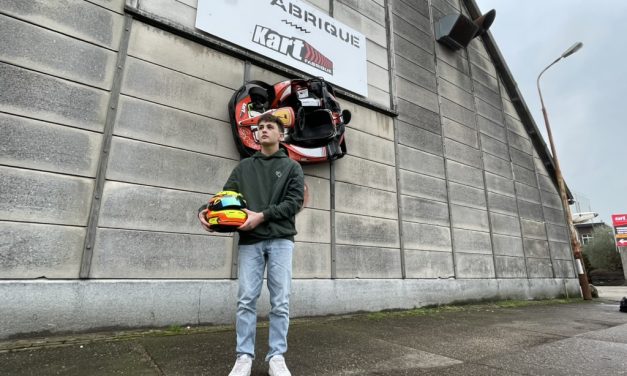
{"points": [[203, 221], [254, 219]]}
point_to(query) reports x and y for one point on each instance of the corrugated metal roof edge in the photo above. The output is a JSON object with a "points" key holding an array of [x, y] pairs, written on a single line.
{"points": [[516, 96]]}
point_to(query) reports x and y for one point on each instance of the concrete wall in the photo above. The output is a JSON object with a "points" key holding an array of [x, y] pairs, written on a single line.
{"points": [[115, 130]]}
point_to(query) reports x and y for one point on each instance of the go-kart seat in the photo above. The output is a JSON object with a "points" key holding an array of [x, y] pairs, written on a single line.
{"points": [[313, 128]]}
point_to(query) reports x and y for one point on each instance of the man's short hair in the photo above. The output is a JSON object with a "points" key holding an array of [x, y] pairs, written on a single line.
{"points": [[269, 118]]}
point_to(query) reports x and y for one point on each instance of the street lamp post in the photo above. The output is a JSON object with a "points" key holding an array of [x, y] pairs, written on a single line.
{"points": [[581, 271]]}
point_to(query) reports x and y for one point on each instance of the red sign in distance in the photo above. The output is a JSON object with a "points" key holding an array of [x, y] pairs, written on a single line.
{"points": [[619, 220]]}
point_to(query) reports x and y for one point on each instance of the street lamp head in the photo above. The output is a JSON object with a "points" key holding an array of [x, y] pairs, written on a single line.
{"points": [[574, 48]]}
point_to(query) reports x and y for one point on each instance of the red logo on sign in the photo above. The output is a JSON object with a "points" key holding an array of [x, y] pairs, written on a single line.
{"points": [[619, 219]]}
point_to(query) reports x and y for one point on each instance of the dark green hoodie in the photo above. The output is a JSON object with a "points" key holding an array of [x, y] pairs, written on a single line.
{"points": [[273, 185]]}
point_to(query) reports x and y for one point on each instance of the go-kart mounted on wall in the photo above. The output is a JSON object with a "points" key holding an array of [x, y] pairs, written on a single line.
{"points": [[314, 122]]}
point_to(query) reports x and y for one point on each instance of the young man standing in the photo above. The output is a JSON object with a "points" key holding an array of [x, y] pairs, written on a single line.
{"points": [[273, 187]]}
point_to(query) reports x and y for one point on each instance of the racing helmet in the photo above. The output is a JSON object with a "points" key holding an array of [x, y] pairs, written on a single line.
{"points": [[227, 200], [224, 211]]}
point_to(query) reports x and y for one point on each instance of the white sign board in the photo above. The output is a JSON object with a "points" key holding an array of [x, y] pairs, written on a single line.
{"points": [[292, 33]]}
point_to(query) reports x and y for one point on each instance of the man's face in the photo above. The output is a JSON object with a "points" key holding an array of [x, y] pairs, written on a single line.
{"points": [[269, 133]]}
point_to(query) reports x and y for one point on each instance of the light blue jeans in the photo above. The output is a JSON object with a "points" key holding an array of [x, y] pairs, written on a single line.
{"points": [[277, 254]]}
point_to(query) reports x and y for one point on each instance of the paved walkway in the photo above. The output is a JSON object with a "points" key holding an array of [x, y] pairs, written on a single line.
{"points": [[580, 338]]}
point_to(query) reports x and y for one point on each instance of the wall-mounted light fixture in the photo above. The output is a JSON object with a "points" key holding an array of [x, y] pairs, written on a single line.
{"points": [[456, 30]]}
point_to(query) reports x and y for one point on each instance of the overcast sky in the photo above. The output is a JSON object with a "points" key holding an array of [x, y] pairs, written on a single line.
{"points": [[585, 94]]}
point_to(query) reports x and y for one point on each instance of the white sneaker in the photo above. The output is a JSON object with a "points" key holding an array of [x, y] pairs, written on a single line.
{"points": [[242, 366], [278, 367]]}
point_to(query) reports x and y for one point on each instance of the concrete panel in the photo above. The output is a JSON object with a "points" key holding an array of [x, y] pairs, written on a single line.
{"points": [[468, 218], [522, 159], [38, 145], [146, 254], [175, 11], [536, 248], [539, 268], [185, 56], [80, 19], [533, 229], [424, 186], [464, 174], [360, 230], [138, 162], [412, 15], [454, 76], [457, 113], [505, 224], [355, 199], [418, 138], [410, 52], [421, 6], [321, 170], [379, 96], [33, 251], [539, 164], [416, 94], [420, 162], [455, 94], [527, 193], [319, 192], [424, 211], [419, 71], [313, 226], [413, 34], [456, 59], [53, 53], [547, 184], [115, 5], [468, 265], [164, 86], [507, 245], [377, 54], [367, 146], [523, 175], [32, 196], [367, 262], [163, 125], [492, 129], [43, 97], [426, 237], [129, 206], [557, 233], [561, 251], [530, 210], [265, 75], [498, 184], [467, 196], [370, 121], [502, 204], [445, 7], [459, 133], [487, 80], [371, 174], [371, 29], [311, 260], [419, 116], [510, 267], [509, 109], [481, 62], [554, 215], [521, 143], [466, 241], [378, 77], [564, 269], [494, 147], [462, 153], [87, 305], [427, 264], [497, 166], [515, 125], [551, 200], [488, 95], [487, 110]]}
